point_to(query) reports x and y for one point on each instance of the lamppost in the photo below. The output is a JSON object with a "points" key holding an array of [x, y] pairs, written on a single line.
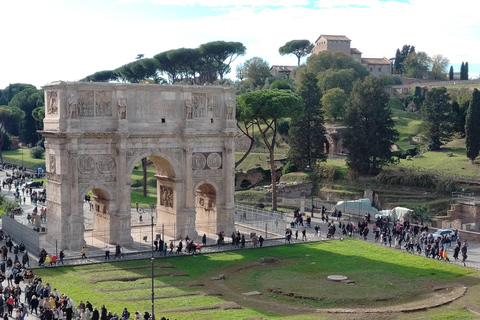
{"points": [[152, 212]]}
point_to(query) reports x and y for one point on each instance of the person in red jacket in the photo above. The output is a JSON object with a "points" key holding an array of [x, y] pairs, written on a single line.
{"points": [[53, 260]]}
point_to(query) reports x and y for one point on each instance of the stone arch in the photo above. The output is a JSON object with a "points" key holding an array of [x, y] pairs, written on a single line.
{"points": [[95, 133]]}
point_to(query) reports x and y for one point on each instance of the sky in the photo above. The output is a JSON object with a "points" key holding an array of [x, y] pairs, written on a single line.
{"points": [[52, 40]]}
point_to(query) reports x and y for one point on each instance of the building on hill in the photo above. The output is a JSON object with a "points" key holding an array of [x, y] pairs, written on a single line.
{"points": [[280, 71], [340, 43], [378, 66]]}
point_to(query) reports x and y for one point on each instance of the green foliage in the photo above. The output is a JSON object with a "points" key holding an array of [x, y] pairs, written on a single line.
{"points": [[472, 127], [101, 76], [437, 117], [220, 54], [37, 152], [450, 73], [446, 185], [390, 80], [439, 67], [283, 126], [421, 214], [307, 133], [400, 57], [337, 78], [264, 108], [403, 176], [370, 128], [333, 102], [136, 71], [325, 60], [255, 71], [281, 84], [27, 100], [299, 48], [416, 65], [289, 167], [395, 103], [9, 92], [328, 173], [7, 141]]}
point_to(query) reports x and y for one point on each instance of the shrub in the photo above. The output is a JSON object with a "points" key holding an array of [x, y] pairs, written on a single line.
{"points": [[283, 127], [446, 186], [37, 152], [351, 175], [328, 173], [289, 167]]}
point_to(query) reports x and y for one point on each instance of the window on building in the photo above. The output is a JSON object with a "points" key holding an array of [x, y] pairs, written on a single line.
{"points": [[380, 69], [371, 69]]}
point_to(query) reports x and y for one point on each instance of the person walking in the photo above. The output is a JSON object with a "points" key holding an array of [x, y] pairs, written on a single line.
{"points": [[83, 253]]}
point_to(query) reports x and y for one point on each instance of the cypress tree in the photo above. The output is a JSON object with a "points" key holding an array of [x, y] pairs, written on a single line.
{"points": [[462, 71], [466, 71], [472, 127], [450, 73]]}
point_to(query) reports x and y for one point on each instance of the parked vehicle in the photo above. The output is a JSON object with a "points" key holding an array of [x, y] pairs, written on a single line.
{"points": [[34, 184], [441, 232]]}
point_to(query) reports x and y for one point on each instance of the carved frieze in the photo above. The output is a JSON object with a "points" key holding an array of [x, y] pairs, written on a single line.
{"points": [[166, 196], [53, 164], [52, 102], [103, 104], [213, 107], [198, 161], [85, 103], [229, 115], [53, 177], [105, 164], [199, 105], [86, 164], [214, 160]]}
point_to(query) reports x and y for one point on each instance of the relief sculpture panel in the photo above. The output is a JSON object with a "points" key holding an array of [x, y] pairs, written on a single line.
{"points": [[85, 103], [103, 104], [166, 196], [52, 102], [199, 107], [105, 164]]}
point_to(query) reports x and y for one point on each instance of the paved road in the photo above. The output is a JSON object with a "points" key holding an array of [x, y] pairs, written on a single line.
{"points": [[142, 249]]}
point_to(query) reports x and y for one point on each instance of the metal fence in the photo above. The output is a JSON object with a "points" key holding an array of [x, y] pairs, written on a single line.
{"points": [[267, 223], [21, 233]]}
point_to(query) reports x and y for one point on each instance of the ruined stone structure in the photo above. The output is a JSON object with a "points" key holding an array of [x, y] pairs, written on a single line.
{"points": [[334, 139], [97, 132]]}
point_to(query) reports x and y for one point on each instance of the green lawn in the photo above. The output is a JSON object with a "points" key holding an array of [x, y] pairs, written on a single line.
{"points": [[458, 164], [184, 282], [22, 155]]}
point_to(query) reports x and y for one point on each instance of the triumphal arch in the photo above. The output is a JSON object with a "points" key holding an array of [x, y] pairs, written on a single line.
{"points": [[96, 133]]}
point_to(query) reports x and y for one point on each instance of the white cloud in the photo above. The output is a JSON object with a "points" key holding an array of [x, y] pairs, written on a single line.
{"points": [[227, 3], [54, 41]]}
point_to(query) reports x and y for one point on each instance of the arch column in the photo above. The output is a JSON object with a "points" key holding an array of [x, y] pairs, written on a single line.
{"points": [[189, 208], [120, 219]]}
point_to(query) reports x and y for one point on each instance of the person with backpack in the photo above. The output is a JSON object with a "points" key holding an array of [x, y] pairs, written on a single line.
{"points": [[464, 254]]}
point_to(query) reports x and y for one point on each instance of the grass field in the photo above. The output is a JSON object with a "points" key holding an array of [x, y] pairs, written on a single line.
{"points": [[22, 155], [184, 290]]}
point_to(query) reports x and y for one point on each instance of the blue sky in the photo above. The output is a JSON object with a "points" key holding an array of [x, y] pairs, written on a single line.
{"points": [[50, 40]]}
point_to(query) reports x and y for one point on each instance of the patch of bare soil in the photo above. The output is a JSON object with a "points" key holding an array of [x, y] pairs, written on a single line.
{"points": [[231, 290], [134, 278], [163, 265], [159, 286], [218, 306]]}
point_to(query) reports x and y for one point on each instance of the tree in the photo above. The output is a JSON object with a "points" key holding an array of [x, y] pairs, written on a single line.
{"points": [[333, 102], [370, 129], [9, 92], [102, 76], [416, 65], [337, 78], [5, 115], [217, 53], [466, 71], [256, 71], [472, 127], [168, 66], [325, 60], [307, 133], [400, 57], [421, 214], [450, 73], [27, 100], [299, 48], [462, 71], [136, 71], [265, 108], [439, 67], [437, 117]]}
